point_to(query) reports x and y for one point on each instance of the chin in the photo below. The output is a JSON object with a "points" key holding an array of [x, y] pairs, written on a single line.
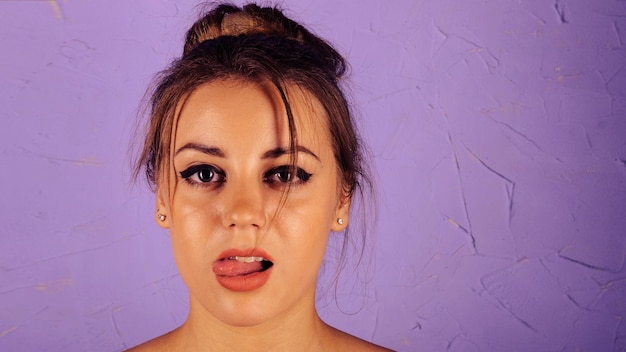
{"points": [[245, 318]]}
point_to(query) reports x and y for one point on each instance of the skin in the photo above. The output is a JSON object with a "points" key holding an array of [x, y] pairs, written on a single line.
{"points": [[232, 125]]}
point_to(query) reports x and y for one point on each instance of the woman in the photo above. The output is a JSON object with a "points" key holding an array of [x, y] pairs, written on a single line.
{"points": [[254, 158]]}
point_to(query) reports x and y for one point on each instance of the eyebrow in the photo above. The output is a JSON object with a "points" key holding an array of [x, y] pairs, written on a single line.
{"points": [[202, 149], [270, 154], [278, 152]]}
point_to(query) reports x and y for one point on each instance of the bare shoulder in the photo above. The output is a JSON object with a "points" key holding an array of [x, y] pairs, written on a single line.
{"points": [[362, 345], [353, 343], [152, 345], [161, 343]]}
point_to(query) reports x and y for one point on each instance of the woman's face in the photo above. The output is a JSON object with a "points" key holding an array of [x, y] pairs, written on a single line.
{"points": [[246, 253]]}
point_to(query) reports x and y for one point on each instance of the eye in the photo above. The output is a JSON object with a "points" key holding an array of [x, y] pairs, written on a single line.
{"points": [[203, 174], [287, 174]]}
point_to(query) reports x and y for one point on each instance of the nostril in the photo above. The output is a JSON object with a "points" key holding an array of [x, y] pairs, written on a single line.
{"points": [[244, 224], [245, 217], [245, 208]]}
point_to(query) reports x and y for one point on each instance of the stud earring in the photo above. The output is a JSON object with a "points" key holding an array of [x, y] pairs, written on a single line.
{"points": [[161, 216], [340, 221]]}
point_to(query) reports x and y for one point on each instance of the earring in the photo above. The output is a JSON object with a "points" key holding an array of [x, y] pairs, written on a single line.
{"points": [[340, 221], [161, 216]]}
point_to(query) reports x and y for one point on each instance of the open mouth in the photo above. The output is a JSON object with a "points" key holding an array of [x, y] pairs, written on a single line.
{"points": [[232, 266]]}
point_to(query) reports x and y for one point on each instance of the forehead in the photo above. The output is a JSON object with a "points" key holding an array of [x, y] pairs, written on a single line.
{"points": [[218, 111]]}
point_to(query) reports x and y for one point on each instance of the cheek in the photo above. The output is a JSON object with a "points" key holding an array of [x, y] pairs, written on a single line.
{"points": [[308, 220], [191, 244], [193, 208], [193, 220]]}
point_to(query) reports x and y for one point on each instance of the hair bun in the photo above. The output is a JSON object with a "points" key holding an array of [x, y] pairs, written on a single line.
{"points": [[230, 20]]}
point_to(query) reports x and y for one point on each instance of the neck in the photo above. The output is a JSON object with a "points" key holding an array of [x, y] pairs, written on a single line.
{"points": [[298, 328]]}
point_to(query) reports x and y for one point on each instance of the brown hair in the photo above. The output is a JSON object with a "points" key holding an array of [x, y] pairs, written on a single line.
{"points": [[254, 44]]}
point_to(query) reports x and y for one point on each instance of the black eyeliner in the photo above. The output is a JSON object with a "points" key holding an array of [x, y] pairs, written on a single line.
{"points": [[299, 172], [303, 175], [190, 171]]}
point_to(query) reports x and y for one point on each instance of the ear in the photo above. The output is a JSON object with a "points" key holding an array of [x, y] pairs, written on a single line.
{"points": [[342, 212], [161, 210]]}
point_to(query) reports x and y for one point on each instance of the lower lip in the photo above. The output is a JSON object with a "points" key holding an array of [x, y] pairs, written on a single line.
{"points": [[244, 282]]}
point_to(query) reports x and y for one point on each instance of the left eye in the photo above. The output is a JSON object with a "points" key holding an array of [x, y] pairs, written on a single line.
{"points": [[203, 174], [287, 174]]}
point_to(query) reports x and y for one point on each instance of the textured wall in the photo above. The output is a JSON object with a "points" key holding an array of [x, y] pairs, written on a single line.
{"points": [[498, 134]]}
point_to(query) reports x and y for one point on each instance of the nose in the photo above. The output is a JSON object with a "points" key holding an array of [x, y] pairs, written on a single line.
{"points": [[244, 206]]}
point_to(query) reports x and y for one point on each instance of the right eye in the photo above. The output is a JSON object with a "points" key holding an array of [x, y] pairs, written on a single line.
{"points": [[202, 174]]}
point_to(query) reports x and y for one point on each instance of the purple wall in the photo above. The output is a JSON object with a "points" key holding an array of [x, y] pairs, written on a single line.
{"points": [[498, 134]]}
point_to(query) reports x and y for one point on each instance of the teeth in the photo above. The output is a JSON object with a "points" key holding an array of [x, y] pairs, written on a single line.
{"points": [[247, 259]]}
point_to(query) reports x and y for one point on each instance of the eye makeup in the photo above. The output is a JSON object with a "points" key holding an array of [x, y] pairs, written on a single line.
{"points": [[203, 175], [285, 174]]}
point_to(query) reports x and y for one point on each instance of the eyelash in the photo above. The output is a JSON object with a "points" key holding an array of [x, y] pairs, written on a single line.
{"points": [[301, 176], [192, 176]]}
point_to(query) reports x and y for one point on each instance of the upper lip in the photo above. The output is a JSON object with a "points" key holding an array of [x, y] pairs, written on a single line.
{"points": [[249, 252]]}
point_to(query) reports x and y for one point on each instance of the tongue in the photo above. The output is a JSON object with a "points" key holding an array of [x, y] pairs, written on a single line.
{"points": [[230, 267]]}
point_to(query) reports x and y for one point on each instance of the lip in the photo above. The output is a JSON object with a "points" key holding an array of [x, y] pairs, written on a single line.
{"points": [[250, 252], [247, 282]]}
